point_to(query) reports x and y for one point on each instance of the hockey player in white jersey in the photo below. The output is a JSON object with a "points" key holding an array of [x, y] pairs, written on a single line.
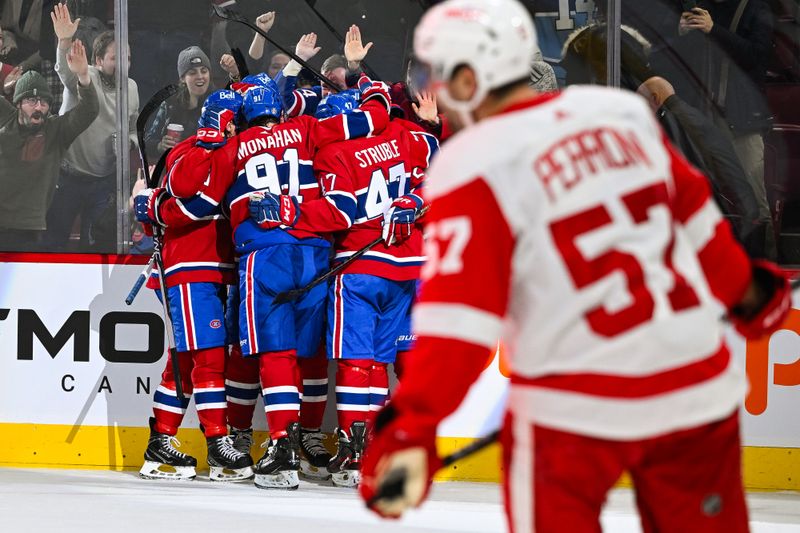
{"points": [[567, 225]]}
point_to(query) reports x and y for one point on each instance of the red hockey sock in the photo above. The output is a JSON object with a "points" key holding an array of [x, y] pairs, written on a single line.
{"points": [[280, 380], [378, 389], [241, 388], [352, 391], [168, 410], [314, 371], [208, 379]]}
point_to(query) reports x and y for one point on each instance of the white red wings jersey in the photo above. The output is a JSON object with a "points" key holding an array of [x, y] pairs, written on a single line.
{"points": [[569, 227], [197, 236], [278, 159], [360, 179]]}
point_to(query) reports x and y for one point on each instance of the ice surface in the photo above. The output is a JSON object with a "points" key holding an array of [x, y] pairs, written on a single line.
{"points": [[34, 500]]}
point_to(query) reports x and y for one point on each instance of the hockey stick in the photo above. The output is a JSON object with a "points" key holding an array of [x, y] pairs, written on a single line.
{"points": [[241, 64], [370, 72], [149, 108], [230, 15], [149, 268], [140, 282], [293, 294], [395, 480], [158, 232]]}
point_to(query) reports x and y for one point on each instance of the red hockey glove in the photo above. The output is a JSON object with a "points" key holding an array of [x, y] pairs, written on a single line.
{"points": [[773, 304], [399, 219], [399, 463], [146, 205], [270, 210], [371, 90], [212, 124]]}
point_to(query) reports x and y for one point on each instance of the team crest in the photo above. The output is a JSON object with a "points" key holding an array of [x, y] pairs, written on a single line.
{"points": [[215, 324]]}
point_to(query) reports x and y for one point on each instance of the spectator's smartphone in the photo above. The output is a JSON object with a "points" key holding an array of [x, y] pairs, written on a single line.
{"points": [[688, 5]]}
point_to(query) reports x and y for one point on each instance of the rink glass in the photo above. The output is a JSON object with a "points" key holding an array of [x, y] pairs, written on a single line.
{"points": [[756, 112]]}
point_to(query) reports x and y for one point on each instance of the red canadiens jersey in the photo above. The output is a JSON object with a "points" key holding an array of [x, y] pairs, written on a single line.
{"points": [[278, 159], [581, 237], [197, 237], [360, 179]]}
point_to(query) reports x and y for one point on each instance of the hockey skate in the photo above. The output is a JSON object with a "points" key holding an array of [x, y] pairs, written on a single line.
{"points": [[278, 468], [315, 457], [242, 439], [225, 462], [163, 461], [345, 467]]}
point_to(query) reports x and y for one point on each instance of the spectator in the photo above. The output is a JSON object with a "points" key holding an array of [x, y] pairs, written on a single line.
{"points": [[277, 61], [22, 20], [87, 185], [737, 38], [194, 73], [710, 150], [31, 149], [419, 107], [695, 134], [7, 70]]}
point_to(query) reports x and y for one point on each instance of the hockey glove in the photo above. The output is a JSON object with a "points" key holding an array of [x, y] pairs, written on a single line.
{"points": [[212, 124], [147, 203], [774, 300], [399, 219], [371, 90], [399, 464], [270, 210]]}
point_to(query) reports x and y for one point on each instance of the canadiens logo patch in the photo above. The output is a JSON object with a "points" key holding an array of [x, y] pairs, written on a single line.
{"points": [[215, 324]]}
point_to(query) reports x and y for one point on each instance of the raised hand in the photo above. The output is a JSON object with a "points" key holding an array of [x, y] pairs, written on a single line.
{"points": [[354, 50], [307, 46], [426, 110], [77, 62], [228, 64], [63, 25], [265, 21]]}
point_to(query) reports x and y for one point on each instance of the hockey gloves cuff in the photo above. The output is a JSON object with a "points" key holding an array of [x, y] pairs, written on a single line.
{"points": [[146, 205], [399, 219], [772, 304], [374, 90], [399, 464], [211, 126], [270, 210]]}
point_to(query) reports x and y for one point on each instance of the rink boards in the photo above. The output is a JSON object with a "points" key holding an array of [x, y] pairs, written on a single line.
{"points": [[68, 399]]}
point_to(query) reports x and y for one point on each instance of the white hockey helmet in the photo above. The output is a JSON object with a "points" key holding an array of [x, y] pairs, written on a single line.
{"points": [[496, 38]]}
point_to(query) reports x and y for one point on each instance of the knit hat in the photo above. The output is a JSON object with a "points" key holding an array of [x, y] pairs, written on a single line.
{"points": [[32, 84], [190, 58]]}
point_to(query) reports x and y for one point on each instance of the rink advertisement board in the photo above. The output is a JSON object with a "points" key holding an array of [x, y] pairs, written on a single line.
{"points": [[78, 369]]}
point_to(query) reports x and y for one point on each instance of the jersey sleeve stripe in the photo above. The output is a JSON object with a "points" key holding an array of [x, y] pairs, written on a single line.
{"points": [[344, 206], [457, 321], [702, 225]]}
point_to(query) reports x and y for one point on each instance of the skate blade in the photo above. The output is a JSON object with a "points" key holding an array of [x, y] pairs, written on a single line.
{"points": [[154, 470], [224, 475], [283, 480], [313, 472], [346, 478]]}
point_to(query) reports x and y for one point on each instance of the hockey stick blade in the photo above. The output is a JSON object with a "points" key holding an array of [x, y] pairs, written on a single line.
{"points": [[230, 15], [149, 108], [395, 481]]}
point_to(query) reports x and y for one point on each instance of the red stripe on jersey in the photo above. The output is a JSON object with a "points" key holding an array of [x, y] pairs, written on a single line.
{"points": [[250, 304], [338, 318], [635, 387], [186, 310]]}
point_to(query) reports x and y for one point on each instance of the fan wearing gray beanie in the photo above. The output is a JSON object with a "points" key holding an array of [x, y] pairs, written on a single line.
{"points": [[183, 109]]}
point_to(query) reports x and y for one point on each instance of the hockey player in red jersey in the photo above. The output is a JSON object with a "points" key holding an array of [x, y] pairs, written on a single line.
{"points": [[370, 187], [199, 268], [583, 239], [276, 157]]}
